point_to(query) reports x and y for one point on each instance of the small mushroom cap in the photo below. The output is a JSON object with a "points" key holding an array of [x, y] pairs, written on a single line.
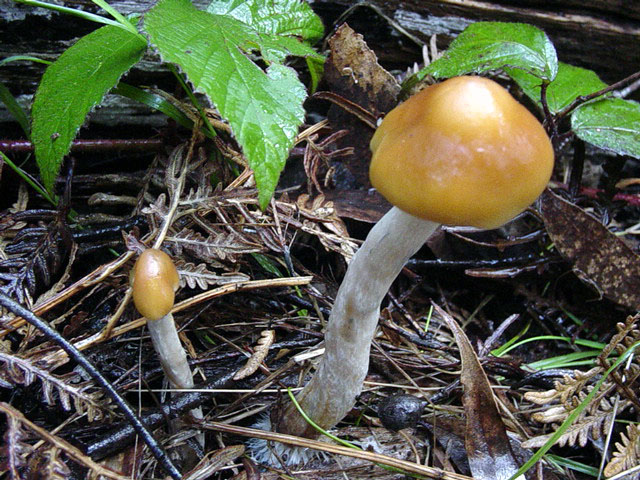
{"points": [[461, 152], [155, 280]]}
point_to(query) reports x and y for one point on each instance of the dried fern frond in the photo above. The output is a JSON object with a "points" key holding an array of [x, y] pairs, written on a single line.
{"points": [[199, 276], [565, 388], [593, 422], [627, 335], [20, 424], [49, 464], [14, 452], [260, 353], [219, 246], [22, 371], [627, 454], [196, 197]]}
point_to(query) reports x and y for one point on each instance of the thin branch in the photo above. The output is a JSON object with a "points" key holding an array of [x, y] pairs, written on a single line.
{"points": [[585, 98]]}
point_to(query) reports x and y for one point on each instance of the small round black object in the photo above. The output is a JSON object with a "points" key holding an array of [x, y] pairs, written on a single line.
{"points": [[400, 411]]}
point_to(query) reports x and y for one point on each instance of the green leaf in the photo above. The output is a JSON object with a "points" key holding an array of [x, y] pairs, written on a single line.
{"points": [[570, 83], [610, 123], [72, 86], [154, 101], [280, 24], [487, 46], [14, 108], [264, 109], [275, 17]]}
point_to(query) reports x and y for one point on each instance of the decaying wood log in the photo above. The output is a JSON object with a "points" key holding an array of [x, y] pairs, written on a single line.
{"points": [[603, 35]]}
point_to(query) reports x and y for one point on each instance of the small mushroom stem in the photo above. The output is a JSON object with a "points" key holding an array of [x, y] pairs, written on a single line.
{"points": [[332, 391], [171, 354]]}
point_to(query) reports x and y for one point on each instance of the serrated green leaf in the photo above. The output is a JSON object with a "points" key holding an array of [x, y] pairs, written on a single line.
{"points": [[72, 86], [275, 17], [280, 25], [610, 123], [570, 83], [264, 109], [487, 46]]}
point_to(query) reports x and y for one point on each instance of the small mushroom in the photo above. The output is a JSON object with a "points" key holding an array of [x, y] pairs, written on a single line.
{"points": [[461, 152], [155, 280]]}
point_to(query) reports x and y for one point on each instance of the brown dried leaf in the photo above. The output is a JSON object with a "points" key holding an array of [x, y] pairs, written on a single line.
{"points": [[260, 353], [488, 448], [599, 258], [352, 72]]}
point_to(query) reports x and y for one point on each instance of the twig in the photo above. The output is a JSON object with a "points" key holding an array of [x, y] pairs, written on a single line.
{"points": [[95, 145], [404, 465], [585, 98], [58, 356], [75, 354]]}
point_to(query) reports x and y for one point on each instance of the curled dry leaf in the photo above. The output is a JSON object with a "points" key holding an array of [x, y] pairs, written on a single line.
{"points": [[259, 354], [352, 71], [488, 448], [599, 258]]}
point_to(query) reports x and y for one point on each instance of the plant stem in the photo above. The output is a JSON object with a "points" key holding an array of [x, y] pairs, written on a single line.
{"points": [[338, 380]]}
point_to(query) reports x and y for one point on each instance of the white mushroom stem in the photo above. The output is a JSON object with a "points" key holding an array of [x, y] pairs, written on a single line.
{"points": [[170, 351], [173, 358], [332, 391]]}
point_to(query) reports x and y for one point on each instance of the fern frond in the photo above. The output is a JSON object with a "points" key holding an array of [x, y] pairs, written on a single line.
{"points": [[199, 276], [627, 453], [22, 371], [14, 452], [565, 388], [52, 466], [221, 246]]}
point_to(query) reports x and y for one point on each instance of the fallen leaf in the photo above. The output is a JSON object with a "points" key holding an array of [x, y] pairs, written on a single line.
{"points": [[488, 448], [352, 72], [598, 257]]}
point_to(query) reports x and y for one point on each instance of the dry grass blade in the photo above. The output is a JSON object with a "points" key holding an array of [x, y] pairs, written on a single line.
{"points": [[60, 444], [408, 467]]}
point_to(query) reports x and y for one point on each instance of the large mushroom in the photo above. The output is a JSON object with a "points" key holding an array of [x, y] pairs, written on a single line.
{"points": [[461, 152]]}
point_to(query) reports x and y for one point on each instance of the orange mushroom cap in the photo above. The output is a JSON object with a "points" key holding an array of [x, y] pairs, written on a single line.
{"points": [[461, 152], [155, 280]]}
